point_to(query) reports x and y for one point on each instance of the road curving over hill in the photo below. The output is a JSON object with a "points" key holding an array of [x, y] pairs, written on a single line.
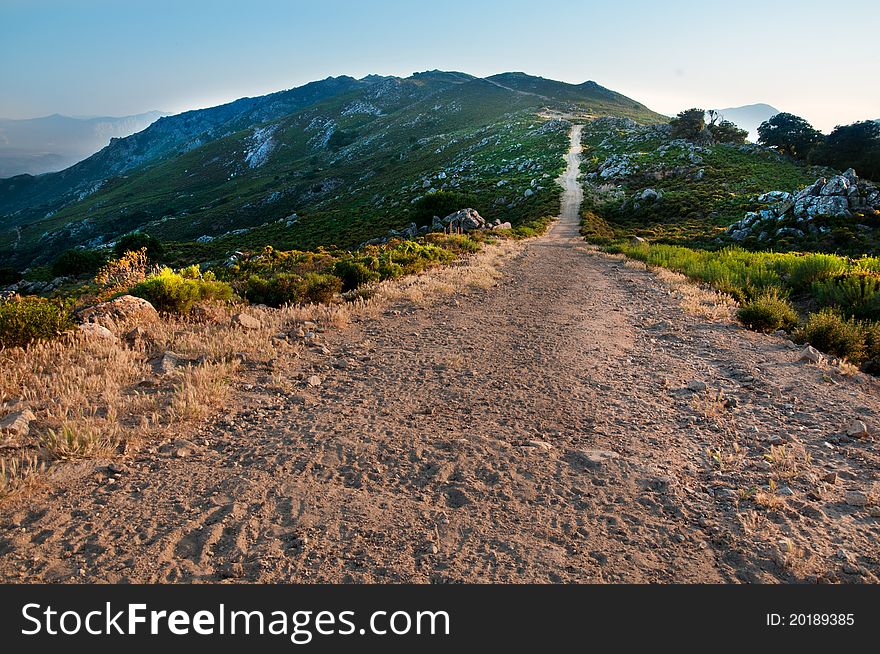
{"points": [[574, 422]]}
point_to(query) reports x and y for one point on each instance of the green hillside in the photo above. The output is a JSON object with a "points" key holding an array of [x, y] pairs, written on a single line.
{"points": [[340, 171], [704, 187]]}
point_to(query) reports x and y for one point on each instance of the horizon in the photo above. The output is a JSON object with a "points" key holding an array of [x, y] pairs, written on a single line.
{"points": [[90, 60]]}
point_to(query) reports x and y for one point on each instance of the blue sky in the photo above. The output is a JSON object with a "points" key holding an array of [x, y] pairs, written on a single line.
{"points": [[97, 57]]}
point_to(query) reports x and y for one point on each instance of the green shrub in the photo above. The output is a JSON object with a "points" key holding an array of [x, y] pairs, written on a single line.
{"points": [[768, 312], [289, 288], [854, 293], [321, 289], [24, 320], [76, 262], [178, 292], [137, 241], [830, 332], [355, 273], [9, 275], [812, 268], [441, 204]]}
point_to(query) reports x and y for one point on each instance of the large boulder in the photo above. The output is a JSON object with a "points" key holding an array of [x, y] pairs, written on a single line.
{"points": [[834, 206], [838, 185], [126, 308], [17, 423], [467, 220], [96, 332]]}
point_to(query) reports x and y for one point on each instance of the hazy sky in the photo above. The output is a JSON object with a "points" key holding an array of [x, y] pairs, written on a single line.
{"points": [[102, 57]]}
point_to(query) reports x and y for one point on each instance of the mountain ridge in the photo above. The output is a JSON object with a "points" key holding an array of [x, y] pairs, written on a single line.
{"points": [[285, 143]]}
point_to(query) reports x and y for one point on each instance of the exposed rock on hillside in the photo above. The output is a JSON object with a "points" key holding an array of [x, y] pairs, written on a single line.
{"points": [[123, 308], [793, 214]]}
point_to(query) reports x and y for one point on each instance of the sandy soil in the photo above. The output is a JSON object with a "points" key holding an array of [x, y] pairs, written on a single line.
{"points": [[541, 430]]}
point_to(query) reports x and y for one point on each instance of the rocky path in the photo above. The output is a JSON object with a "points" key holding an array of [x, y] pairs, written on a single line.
{"points": [[571, 424]]}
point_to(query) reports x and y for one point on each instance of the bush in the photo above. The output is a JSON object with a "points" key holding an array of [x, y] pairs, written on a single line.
{"points": [[24, 320], [321, 289], [689, 124], [812, 268], [355, 273], [855, 294], [830, 332], [768, 312], [121, 274], [9, 275], [138, 241], [178, 292], [289, 288], [441, 204], [76, 262]]}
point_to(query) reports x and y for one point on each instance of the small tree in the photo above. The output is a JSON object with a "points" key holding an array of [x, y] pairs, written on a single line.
{"points": [[790, 134], [138, 241], [689, 124], [727, 132], [852, 146]]}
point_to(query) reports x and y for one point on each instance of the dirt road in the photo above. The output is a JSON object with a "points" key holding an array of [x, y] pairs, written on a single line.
{"points": [[538, 431]]}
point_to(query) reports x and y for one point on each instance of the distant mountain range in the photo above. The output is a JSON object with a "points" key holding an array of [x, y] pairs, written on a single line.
{"points": [[351, 154], [51, 143], [749, 117]]}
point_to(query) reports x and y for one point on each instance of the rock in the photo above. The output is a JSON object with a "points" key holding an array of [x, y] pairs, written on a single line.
{"points": [[503, 226], [313, 381], [590, 458], [855, 498], [94, 331], [649, 195], [467, 220], [528, 193], [167, 362], [635, 241], [697, 386], [836, 207], [123, 308], [874, 511], [17, 423], [810, 355], [838, 185], [857, 429], [830, 478], [181, 448], [246, 321], [542, 445], [137, 336]]}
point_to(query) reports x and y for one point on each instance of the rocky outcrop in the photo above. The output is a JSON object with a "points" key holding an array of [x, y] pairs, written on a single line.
{"points": [[465, 220], [122, 309], [793, 214], [96, 332]]}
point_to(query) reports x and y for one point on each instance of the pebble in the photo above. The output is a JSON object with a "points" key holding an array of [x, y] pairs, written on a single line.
{"points": [[810, 355], [697, 386], [857, 429], [313, 381]]}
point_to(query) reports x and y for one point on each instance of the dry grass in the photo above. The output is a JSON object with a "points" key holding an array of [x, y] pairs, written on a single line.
{"points": [[788, 461], [697, 300], [95, 398]]}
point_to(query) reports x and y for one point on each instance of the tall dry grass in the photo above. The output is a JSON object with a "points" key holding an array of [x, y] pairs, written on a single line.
{"points": [[97, 398]]}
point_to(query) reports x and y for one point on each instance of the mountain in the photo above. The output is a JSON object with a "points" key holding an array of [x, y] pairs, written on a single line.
{"points": [[338, 161], [52, 143], [749, 117]]}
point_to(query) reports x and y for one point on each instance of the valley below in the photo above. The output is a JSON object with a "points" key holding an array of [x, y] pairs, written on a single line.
{"points": [[551, 414]]}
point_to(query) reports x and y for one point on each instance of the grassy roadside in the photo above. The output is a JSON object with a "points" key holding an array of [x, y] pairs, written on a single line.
{"points": [[829, 301]]}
